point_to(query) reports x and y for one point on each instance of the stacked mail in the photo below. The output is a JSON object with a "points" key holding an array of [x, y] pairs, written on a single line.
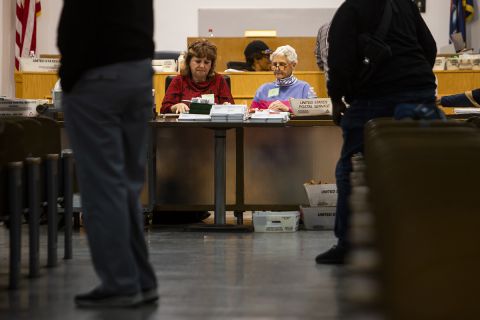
{"points": [[269, 116], [193, 117], [228, 112], [466, 110]]}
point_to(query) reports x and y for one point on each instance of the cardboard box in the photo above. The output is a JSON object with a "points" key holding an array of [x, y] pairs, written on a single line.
{"points": [[318, 218], [321, 194], [276, 221]]}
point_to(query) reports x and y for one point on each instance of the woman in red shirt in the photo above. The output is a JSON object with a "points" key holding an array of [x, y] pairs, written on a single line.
{"points": [[197, 78]]}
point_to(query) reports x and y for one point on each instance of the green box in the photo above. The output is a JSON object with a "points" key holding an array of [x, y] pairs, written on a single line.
{"points": [[200, 108]]}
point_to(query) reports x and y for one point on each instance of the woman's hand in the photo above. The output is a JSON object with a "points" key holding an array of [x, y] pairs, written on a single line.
{"points": [[278, 106], [179, 108]]}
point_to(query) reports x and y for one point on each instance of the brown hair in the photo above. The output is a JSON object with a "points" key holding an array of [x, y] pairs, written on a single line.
{"points": [[200, 49]]}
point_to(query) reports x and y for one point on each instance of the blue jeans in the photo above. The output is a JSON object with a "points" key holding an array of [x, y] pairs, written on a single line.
{"points": [[419, 105]]}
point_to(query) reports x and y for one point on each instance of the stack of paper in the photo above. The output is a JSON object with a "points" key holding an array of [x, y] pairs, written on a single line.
{"points": [[466, 110], [193, 117], [269, 116], [228, 112]]}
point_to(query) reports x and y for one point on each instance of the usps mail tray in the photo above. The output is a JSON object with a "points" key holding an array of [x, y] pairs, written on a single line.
{"points": [[321, 194], [318, 218], [276, 221]]}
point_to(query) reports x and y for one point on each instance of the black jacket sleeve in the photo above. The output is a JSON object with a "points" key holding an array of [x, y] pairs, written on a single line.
{"points": [[342, 52], [425, 38]]}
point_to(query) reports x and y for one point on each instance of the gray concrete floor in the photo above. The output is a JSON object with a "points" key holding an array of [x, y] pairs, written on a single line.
{"points": [[201, 276]]}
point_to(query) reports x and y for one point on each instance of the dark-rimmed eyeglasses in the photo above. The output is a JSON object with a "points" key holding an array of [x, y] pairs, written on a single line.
{"points": [[279, 65]]}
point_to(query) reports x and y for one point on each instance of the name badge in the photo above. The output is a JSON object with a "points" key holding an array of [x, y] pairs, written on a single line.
{"points": [[273, 92], [210, 97]]}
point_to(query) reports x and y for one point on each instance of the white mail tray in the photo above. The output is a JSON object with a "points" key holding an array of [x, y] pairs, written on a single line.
{"points": [[276, 221], [318, 218]]}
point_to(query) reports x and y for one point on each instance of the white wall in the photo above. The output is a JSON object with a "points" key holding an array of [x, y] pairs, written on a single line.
{"points": [[7, 53], [177, 20], [473, 37], [47, 26], [173, 24], [3, 64]]}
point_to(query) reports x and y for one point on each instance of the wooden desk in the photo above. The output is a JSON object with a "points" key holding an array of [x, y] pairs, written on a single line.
{"points": [[231, 49], [182, 174]]}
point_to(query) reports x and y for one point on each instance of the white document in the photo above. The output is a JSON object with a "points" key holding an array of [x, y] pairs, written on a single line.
{"points": [[269, 116], [466, 110], [311, 107], [30, 64], [209, 97], [193, 117]]}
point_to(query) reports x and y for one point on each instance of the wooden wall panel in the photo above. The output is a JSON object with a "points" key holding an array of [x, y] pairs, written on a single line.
{"points": [[231, 49], [34, 85], [38, 85], [452, 82]]}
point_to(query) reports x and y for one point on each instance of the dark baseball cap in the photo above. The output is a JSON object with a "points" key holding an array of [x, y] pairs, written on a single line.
{"points": [[256, 46]]}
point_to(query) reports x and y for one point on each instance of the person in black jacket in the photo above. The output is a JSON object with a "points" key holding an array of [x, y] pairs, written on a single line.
{"points": [[106, 76], [402, 87]]}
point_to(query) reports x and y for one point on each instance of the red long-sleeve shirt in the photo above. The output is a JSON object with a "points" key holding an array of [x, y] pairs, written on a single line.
{"points": [[184, 88]]}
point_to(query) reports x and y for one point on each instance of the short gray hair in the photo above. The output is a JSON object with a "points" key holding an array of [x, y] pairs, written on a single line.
{"points": [[286, 51]]}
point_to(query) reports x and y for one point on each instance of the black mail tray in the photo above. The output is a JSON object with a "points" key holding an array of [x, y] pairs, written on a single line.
{"points": [[200, 108]]}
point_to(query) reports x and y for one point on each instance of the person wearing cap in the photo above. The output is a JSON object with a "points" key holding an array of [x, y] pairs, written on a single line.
{"points": [[276, 95], [257, 56]]}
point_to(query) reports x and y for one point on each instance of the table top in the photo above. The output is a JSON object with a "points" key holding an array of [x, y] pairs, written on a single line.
{"points": [[171, 121]]}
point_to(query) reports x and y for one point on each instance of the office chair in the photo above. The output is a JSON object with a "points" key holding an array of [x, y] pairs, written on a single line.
{"points": [[169, 79], [237, 65], [159, 55]]}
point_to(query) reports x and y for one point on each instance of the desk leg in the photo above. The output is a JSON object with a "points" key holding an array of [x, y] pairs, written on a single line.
{"points": [[239, 176], [220, 175], [220, 184], [151, 171]]}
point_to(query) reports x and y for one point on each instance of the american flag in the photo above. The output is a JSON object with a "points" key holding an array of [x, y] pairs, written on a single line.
{"points": [[26, 28]]}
